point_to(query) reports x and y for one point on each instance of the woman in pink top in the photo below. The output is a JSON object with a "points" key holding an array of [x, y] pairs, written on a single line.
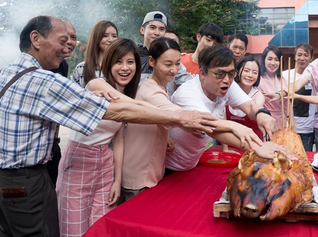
{"points": [[271, 81], [145, 145], [90, 173]]}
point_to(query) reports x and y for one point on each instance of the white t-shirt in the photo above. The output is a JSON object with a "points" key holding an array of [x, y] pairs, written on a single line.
{"points": [[304, 124], [190, 96]]}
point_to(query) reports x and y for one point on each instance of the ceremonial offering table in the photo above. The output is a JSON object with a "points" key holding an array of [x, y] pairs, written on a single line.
{"points": [[182, 205]]}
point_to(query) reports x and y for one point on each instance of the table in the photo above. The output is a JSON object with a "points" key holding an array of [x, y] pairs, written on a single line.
{"points": [[182, 205]]}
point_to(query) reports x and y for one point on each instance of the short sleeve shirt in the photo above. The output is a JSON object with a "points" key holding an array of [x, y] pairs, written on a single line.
{"points": [[190, 96]]}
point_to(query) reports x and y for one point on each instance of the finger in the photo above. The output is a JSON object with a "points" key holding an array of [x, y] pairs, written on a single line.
{"points": [[115, 199], [270, 134], [97, 93], [257, 140], [111, 196], [113, 95], [206, 126], [208, 116], [242, 142], [198, 133], [288, 153], [107, 97]]}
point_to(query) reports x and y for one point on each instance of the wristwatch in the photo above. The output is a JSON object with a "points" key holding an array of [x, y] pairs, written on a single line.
{"points": [[263, 110]]}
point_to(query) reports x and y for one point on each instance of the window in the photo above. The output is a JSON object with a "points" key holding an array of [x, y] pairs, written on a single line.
{"points": [[269, 21]]}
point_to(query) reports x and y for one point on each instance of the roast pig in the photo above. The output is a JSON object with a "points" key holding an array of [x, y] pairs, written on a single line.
{"points": [[268, 188]]}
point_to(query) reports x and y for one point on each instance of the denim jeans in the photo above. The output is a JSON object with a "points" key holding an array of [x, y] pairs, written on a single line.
{"points": [[308, 140]]}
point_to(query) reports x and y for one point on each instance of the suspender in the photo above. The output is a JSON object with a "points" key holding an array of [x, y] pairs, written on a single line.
{"points": [[15, 78]]}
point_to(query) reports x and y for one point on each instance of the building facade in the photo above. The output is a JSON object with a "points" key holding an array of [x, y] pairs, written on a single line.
{"points": [[284, 23]]}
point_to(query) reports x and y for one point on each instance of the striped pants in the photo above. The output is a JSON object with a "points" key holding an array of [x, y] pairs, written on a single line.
{"points": [[86, 174]]}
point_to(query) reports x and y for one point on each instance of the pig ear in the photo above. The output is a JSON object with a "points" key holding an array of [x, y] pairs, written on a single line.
{"points": [[284, 162], [281, 162], [247, 159]]}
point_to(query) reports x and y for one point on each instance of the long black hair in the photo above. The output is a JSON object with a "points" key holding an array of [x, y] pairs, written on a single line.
{"points": [[277, 52]]}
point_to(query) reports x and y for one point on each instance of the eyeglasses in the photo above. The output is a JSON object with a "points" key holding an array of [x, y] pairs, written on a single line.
{"points": [[220, 74]]}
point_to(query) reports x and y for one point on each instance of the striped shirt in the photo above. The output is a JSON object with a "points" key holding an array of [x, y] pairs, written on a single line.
{"points": [[33, 106]]}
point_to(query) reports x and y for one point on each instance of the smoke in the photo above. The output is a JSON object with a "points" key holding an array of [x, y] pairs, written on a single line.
{"points": [[15, 14], [83, 14]]}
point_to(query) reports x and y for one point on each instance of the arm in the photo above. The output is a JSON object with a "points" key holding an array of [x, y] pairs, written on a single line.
{"points": [[102, 88], [259, 99], [307, 98], [241, 132], [274, 96], [191, 121], [265, 122], [126, 109], [266, 150], [118, 153]]}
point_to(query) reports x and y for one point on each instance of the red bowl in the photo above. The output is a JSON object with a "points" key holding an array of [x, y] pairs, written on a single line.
{"points": [[219, 159]]}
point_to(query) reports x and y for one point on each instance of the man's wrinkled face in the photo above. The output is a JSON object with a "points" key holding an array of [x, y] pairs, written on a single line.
{"points": [[71, 43], [303, 58], [53, 48], [238, 48]]}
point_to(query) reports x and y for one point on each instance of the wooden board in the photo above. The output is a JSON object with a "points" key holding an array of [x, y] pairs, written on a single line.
{"points": [[306, 212]]}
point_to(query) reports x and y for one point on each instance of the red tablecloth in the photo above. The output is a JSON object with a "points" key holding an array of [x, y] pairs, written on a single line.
{"points": [[182, 205]]}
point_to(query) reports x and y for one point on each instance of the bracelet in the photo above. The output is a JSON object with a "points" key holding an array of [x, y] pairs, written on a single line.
{"points": [[278, 93], [262, 110]]}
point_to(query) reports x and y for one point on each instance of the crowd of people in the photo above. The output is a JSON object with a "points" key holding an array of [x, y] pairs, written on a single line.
{"points": [[136, 112]]}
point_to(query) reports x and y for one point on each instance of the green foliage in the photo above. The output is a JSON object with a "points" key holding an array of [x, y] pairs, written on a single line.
{"points": [[187, 16], [184, 16], [76, 57]]}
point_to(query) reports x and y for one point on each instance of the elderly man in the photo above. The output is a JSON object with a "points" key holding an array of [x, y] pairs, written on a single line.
{"points": [[30, 110], [238, 45]]}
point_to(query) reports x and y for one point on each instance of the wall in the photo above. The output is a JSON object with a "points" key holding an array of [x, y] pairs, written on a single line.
{"points": [[258, 43]]}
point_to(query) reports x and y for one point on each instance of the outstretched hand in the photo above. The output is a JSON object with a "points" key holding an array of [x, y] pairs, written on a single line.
{"points": [[268, 149], [197, 122], [246, 134], [272, 96], [266, 123], [109, 95]]}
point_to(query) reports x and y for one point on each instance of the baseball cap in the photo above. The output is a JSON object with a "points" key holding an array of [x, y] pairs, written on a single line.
{"points": [[155, 16]]}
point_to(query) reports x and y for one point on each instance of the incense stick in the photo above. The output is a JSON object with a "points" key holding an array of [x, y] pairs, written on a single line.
{"points": [[293, 91], [281, 90], [288, 102]]}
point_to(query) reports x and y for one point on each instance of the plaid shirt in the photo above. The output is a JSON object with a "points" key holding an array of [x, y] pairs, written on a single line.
{"points": [[33, 106]]}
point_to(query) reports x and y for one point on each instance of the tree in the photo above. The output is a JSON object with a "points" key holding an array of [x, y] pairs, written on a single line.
{"points": [[187, 16], [184, 16]]}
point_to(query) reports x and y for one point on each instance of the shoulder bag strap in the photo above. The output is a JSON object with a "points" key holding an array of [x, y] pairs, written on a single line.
{"points": [[15, 78]]}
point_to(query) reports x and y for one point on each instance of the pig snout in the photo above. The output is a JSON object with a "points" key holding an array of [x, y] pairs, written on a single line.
{"points": [[251, 211]]}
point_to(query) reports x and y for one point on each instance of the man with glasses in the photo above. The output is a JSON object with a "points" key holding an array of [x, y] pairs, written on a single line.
{"points": [[211, 92]]}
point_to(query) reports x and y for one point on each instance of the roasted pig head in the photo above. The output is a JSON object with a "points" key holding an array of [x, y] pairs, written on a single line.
{"points": [[268, 188]]}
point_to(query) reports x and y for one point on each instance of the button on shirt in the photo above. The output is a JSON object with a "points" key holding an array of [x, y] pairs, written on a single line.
{"points": [[33, 106]]}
